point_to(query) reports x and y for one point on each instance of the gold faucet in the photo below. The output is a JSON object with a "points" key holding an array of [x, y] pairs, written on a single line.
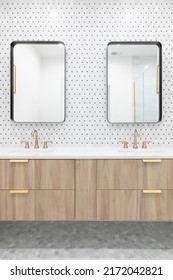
{"points": [[45, 146], [35, 135], [26, 144], [135, 143], [125, 144]]}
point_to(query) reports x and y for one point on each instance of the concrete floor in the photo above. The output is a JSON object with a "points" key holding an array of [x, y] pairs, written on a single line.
{"points": [[86, 240]]}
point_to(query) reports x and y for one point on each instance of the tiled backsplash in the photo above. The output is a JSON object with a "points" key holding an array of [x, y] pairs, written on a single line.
{"points": [[86, 27]]}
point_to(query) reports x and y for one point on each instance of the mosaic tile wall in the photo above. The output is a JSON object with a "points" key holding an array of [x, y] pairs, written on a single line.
{"points": [[86, 27]]}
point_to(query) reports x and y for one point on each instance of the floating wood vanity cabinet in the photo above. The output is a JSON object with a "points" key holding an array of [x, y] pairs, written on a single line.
{"points": [[55, 205], [54, 174], [86, 202], [17, 195], [20, 205], [17, 206], [117, 182], [37, 190], [117, 174], [3, 203], [153, 205], [54, 184], [117, 205], [135, 189], [88, 189], [2, 175], [153, 173], [19, 174]]}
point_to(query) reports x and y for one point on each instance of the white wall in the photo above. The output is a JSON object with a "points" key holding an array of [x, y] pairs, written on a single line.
{"points": [[120, 84]]}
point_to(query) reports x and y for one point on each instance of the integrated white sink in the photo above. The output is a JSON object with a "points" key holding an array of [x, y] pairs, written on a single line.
{"points": [[20, 152], [31, 151], [142, 151], [83, 152]]}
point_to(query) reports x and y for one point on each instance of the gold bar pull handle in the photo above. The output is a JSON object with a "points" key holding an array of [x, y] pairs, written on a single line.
{"points": [[19, 191], [152, 160], [14, 79], [157, 79], [151, 191], [19, 160]]}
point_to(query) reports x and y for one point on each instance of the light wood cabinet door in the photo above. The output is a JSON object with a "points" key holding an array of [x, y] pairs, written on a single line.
{"points": [[170, 173], [153, 206], [85, 174], [2, 175], [19, 174], [117, 205], [20, 206], [54, 205], [117, 174], [3, 206], [169, 204], [152, 174], [54, 174]]}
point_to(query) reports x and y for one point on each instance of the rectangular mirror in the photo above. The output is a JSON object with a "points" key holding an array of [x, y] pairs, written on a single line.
{"points": [[38, 81], [134, 82]]}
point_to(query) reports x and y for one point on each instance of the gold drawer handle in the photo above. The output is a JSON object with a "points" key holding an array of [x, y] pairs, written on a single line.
{"points": [[19, 191], [152, 160], [151, 191], [18, 160]]}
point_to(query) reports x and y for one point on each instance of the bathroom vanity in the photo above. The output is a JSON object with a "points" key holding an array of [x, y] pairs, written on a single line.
{"points": [[95, 183]]}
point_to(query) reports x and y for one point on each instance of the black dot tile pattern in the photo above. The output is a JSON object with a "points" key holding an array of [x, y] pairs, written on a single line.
{"points": [[86, 27]]}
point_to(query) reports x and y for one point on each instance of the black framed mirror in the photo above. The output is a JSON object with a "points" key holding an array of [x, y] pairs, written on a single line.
{"points": [[38, 81], [134, 82]]}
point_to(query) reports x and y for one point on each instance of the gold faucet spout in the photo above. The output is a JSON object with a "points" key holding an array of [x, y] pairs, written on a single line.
{"points": [[35, 135], [135, 143]]}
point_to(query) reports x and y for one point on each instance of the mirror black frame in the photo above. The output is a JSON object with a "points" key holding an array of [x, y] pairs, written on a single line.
{"points": [[159, 45], [12, 76]]}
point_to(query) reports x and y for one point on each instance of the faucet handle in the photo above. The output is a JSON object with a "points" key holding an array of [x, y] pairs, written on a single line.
{"points": [[26, 144], [45, 146], [125, 144], [144, 144]]}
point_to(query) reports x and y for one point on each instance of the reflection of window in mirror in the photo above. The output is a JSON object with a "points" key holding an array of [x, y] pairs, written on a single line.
{"points": [[134, 82], [38, 81]]}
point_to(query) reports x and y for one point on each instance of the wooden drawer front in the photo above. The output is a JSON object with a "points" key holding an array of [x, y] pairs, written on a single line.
{"points": [[117, 205], [2, 175], [170, 173], [20, 174], [169, 205], [55, 205], [3, 206], [85, 189], [20, 206], [54, 174], [153, 206], [117, 174], [152, 175]]}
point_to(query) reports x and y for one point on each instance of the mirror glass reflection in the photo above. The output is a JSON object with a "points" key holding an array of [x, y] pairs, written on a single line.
{"points": [[134, 82], [38, 82]]}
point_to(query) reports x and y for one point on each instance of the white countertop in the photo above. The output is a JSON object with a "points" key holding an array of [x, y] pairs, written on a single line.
{"points": [[81, 152]]}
